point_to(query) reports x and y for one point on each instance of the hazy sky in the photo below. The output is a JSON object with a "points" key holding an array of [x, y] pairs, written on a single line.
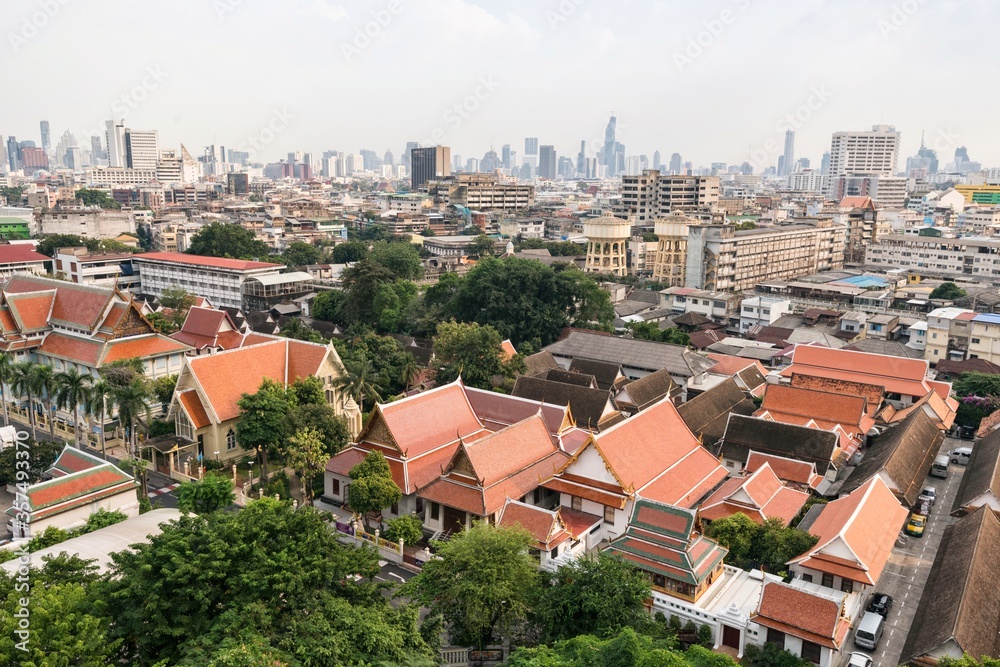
{"points": [[712, 80]]}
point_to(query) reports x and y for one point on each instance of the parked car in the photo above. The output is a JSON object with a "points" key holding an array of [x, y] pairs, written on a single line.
{"points": [[880, 603], [928, 495], [859, 660], [940, 467], [960, 455], [921, 507], [915, 526]]}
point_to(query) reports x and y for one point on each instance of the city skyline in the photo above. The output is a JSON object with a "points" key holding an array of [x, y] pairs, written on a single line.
{"points": [[675, 82]]}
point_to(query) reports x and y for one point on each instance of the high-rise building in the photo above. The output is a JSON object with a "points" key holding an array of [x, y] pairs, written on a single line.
{"points": [[97, 155], [505, 156], [789, 156], [142, 148], [873, 152], [547, 162], [429, 164], [656, 160], [407, 160], [581, 159], [13, 154], [46, 137], [388, 158], [74, 158], [490, 162], [472, 165], [675, 164], [531, 146], [115, 140], [612, 153], [34, 158], [925, 161], [824, 164], [651, 195], [3, 155]]}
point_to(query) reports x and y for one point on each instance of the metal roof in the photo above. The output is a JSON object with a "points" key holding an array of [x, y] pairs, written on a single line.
{"points": [[282, 278], [641, 354]]}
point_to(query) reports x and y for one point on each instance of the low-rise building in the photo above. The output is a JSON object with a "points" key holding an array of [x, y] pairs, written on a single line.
{"points": [[17, 258], [89, 222], [218, 279], [717, 306], [106, 269], [984, 339], [762, 311]]}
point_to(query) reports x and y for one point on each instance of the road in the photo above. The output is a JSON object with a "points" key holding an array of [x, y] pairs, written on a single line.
{"points": [[908, 567]]}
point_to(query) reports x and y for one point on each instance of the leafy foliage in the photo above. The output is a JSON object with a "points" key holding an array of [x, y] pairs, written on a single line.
{"points": [[227, 240], [770, 655], [482, 584], [474, 352], [948, 292], [41, 456], [406, 528], [307, 455], [328, 306], [555, 248], [263, 423], [300, 253], [752, 545], [49, 244], [652, 331], [212, 493], [627, 649], [347, 253], [163, 388], [595, 595], [372, 488], [178, 301]]}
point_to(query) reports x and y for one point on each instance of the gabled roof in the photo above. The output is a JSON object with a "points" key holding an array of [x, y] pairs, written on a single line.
{"points": [[661, 539], [208, 327], [31, 310], [194, 408], [942, 411], [727, 364], [140, 347], [981, 476], [646, 391], [545, 526], [856, 533], [538, 363], [592, 408], [21, 254], [895, 374], [497, 411], [847, 410], [960, 601], [634, 353], [800, 613], [798, 472], [80, 306], [760, 496], [905, 453], [707, 414], [606, 373], [798, 442], [570, 377]]}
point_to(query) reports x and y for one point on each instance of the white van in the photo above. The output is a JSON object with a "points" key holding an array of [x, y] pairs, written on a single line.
{"points": [[940, 467], [960, 455], [869, 630]]}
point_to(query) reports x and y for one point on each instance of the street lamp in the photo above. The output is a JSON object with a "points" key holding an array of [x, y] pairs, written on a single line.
{"points": [[217, 456], [250, 464]]}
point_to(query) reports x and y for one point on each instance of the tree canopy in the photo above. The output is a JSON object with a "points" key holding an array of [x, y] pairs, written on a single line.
{"points": [[219, 239], [752, 545], [300, 253], [89, 197], [212, 493], [947, 292], [372, 487], [474, 352]]}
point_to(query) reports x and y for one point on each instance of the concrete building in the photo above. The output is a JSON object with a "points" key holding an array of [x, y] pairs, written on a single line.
{"points": [[762, 311], [95, 223], [721, 258], [142, 148], [20, 259], [930, 253], [886, 191], [217, 279], [718, 306], [652, 195], [104, 269], [113, 176], [607, 238], [485, 192], [807, 180], [874, 152], [547, 162], [671, 231], [948, 331], [984, 338], [431, 163]]}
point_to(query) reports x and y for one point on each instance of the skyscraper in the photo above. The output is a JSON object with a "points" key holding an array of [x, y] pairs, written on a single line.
{"points": [[824, 165], [656, 160], [925, 160], [142, 148], [547, 162], [388, 158], [581, 160], [788, 163], [868, 153], [613, 153], [505, 156], [115, 139], [97, 155], [531, 146], [675, 164], [429, 164], [13, 154], [46, 137], [3, 155]]}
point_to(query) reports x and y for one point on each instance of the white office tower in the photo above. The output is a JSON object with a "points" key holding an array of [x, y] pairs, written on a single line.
{"points": [[142, 148], [115, 138], [873, 153]]}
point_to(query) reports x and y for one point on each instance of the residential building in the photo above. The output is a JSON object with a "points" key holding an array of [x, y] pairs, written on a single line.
{"points": [[959, 610], [431, 163], [716, 306], [984, 339], [856, 535], [811, 623], [722, 258], [754, 434], [105, 269], [807, 180], [980, 194], [948, 333], [651, 195], [887, 191], [142, 149], [80, 485], [218, 279], [16, 223], [205, 406], [874, 152], [930, 253], [485, 192], [21, 259], [95, 223], [762, 311], [119, 176]]}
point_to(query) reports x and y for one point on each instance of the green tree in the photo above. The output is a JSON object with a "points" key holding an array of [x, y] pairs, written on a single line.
{"points": [[103, 518], [48, 245], [300, 253], [178, 301], [89, 197], [483, 246], [976, 384], [597, 594], [132, 401], [307, 390], [98, 398], [327, 306], [324, 420], [392, 302], [161, 323], [44, 384], [361, 284], [652, 331], [407, 528], [21, 384], [361, 380], [474, 352], [13, 195], [213, 492], [6, 376], [41, 456], [298, 330], [372, 487], [948, 292], [347, 253], [401, 259], [307, 456], [771, 655], [751, 545], [176, 601], [163, 388], [220, 239], [482, 584], [263, 423], [409, 371], [737, 533]]}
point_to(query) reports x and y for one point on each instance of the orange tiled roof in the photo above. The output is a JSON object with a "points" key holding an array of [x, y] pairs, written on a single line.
{"points": [[789, 470], [867, 521], [79, 350], [194, 408], [199, 260], [507, 349], [686, 482], [802, 614], [844, 409], [760, 496], [81, 305], [66, 488], [415, 433], [896, 374], [727, 364], [31, 310], [141, 347], [545, 526]]}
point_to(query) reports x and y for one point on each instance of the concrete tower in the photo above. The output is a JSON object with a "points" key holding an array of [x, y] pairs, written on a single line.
{"points": [[607, 241], [671, 250]]}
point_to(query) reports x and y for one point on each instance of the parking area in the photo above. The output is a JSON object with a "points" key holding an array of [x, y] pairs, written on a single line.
{"points": [[908, 567]]}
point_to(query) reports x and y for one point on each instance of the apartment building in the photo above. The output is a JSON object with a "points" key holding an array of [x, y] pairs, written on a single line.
{"points": [[722, 258], [873, 153], [948, 333], [651, 195], [762, 311], [103, 269], [718, 306], [485, 192], [931, 253], [217, 279], [887, 191], [95, 223], [108, 176], [984, 338]]}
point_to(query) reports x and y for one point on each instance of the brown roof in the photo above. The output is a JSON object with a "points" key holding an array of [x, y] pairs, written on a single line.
{"points": [[895, 374], [788, 470], [199, 260], [497, 411], [982, 475], [707, 414], [956, 368], [538, 363], [606, 373], [727, 364], [802, 614], [544, 525], [571, 377], [194, 408], [592, 408], [905, 452], [827, 406], [960, 600], [647, 390], [761, 435], [80, 305]]}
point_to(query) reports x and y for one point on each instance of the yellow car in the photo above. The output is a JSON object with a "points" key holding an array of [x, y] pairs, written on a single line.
{"points": [[915, 526]]}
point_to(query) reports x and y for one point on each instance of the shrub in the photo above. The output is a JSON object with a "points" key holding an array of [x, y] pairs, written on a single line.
{"points": [[278, 485], [406, 528], [705, 636]]}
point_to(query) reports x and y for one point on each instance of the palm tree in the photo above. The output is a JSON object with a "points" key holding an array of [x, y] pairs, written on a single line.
{"points": [[21, 384], [97, 406], [6, 375], [296, 329], [409, 371], [43, 382], [71, 393], [360, 379], [132, 400]]}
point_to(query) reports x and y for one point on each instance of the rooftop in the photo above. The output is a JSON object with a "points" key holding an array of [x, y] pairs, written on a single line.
{"points": [[207, 262]]}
